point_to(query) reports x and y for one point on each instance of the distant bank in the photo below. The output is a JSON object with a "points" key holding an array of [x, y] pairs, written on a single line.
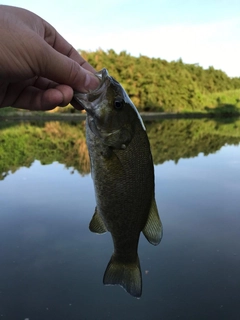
{"points": [[28, 116]]}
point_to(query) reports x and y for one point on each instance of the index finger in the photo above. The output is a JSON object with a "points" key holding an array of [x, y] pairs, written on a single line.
{"points": [[55, 40]]}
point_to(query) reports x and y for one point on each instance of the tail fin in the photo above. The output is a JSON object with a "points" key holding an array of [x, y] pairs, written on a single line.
{"points": [[127, 275]]}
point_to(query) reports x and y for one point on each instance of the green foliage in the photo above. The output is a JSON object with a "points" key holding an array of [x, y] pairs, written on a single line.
{"points": [[21, 144], [49, 141], [157, 85], [176, 139], [6, 111]]}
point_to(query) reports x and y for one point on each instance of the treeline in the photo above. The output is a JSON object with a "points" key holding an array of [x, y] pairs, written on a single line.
{"points": [[65, 142], [155, 84]]}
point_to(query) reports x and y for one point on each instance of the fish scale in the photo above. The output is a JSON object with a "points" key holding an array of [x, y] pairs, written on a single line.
{"points": [[123, 176]]}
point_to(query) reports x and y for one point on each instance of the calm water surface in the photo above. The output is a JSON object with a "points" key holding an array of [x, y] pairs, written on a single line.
{"points": [[51, 265]]}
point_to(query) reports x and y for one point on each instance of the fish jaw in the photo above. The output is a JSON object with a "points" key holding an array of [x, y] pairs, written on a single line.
{"points": [[91, 100]]}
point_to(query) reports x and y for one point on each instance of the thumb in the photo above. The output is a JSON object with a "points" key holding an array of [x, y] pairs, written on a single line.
{"points": [[64, 70]]}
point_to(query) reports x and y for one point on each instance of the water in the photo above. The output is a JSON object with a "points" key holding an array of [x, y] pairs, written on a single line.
{"points": [[51, 265]]}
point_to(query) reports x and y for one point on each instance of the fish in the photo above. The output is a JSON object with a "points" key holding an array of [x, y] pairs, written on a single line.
{"points": [[123, 174]]}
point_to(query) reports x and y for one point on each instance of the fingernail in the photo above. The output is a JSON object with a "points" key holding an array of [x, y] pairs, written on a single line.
{"points": [[91, 82]]}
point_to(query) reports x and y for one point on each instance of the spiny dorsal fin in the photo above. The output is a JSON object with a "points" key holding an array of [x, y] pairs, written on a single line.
{"points": [[153, 227], [96, 224]]}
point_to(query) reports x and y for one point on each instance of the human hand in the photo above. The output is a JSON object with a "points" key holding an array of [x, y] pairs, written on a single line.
{"points": [[39, 69]]}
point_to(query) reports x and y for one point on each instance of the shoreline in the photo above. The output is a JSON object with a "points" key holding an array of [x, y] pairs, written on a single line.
{"points": [[28, 116]]}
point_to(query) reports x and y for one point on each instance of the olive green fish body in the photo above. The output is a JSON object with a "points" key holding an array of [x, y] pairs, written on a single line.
{"points": [[123, 175], [124, 187]]}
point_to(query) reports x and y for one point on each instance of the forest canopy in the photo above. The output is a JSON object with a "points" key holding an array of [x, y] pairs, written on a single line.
{"points": [[155, 84]]}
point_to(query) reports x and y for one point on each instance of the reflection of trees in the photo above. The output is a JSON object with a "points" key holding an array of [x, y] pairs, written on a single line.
{"points": [[176, 139], [48, 142], [65, 142]]}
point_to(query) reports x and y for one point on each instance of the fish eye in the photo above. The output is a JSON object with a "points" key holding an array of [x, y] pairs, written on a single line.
{"points": [[118, 104]]}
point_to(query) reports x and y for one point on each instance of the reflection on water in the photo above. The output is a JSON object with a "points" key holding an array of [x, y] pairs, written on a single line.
{"points": [[21, 144], [51, 264]]}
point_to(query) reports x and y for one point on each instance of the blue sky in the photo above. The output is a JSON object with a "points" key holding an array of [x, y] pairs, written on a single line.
{"points": [[198, 31]]}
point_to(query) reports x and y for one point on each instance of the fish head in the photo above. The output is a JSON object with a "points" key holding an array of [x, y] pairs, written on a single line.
{"points": [[111, 113]]}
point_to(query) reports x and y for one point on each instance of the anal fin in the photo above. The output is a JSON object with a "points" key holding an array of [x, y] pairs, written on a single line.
{"points": [[153, 228], [96, 224]]}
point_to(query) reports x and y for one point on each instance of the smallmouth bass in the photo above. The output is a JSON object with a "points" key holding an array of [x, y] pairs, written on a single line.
{"points": [[123, 174]]}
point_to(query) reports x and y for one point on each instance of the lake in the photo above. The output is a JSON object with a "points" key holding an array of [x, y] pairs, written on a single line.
{"points": [[51, 265]]}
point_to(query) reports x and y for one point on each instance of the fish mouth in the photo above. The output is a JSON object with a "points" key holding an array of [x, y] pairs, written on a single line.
{"points": [[89, 101]]}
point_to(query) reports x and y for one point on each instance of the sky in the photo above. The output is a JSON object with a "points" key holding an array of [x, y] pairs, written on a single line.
{"points": [[206, 32]]}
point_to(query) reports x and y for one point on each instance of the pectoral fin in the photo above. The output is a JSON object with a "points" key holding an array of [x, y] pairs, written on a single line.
{"points": [[153, 228], [96, 224]]}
